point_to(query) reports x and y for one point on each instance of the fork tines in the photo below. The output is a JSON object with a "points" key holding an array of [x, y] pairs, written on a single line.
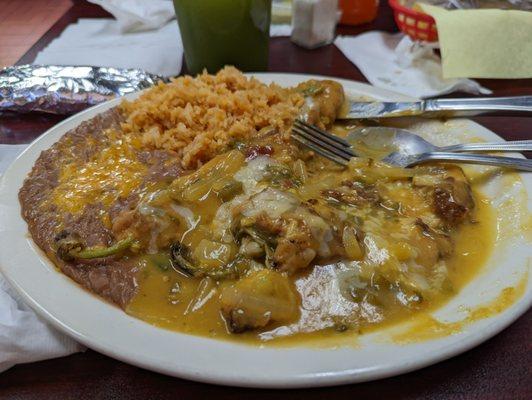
{"points": [[326, 144]]}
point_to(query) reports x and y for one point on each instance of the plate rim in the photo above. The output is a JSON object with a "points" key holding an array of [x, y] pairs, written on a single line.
{"points": [[471, 340]]}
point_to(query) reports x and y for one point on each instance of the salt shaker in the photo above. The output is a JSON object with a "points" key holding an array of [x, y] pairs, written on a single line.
{"points": [[314, 22]]}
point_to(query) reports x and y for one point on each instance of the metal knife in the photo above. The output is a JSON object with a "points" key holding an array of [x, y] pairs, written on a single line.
{"points": [[438, 108]]}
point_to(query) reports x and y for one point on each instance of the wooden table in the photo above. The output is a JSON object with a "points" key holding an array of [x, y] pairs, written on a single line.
{"points": [[497, 369]]}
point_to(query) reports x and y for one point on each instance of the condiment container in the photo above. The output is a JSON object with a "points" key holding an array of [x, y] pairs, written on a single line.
{"points": [[314, 22], [355, 12]]}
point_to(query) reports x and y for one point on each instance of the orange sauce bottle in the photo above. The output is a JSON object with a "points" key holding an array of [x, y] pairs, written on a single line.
{"points": [[356, 12]]}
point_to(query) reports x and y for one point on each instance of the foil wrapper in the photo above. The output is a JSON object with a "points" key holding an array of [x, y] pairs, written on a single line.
{"points": [[66, 89]]}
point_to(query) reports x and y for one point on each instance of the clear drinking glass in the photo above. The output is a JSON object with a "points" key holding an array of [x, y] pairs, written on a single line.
{"points": [[216, 33]]}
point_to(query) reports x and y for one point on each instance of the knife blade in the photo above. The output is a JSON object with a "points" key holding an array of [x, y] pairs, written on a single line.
{"points": [[438, 108]]}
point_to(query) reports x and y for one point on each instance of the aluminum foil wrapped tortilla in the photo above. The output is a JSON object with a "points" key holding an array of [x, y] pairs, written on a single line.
{"points": [[66, 89]]}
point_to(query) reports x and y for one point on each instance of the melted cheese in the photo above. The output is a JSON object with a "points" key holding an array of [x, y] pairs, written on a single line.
{"points": [[112, 173], [152, 301], [115, 172]]}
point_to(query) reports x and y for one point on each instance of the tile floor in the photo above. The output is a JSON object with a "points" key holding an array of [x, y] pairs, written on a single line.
{"points": [[23, 22]]}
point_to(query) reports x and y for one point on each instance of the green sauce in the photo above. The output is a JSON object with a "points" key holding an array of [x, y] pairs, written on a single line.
{"points": [[216, 33]]}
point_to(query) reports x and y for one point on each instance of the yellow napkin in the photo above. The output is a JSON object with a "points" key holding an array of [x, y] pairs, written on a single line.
{"points": [[484, 43], [281, 11]]}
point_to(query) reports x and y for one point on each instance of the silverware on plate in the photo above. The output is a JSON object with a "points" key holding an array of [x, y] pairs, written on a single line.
{"points": [[404, 144], [340, 150], [436, 108]]}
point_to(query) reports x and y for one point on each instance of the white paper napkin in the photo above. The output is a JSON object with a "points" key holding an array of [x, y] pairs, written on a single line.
{"points": [[8, 153], [138, 15], [278, 30], [395, 62], [101, 42], [25, 337]]}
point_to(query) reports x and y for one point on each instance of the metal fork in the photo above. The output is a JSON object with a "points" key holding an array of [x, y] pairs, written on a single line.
{"points": [[339, 150]]}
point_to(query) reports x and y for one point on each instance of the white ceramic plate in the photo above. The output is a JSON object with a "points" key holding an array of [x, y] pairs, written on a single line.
{"points": [[109, 330]]}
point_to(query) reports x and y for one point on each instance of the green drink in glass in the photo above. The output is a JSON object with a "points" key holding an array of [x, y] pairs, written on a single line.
{"points": [[216, 33]]}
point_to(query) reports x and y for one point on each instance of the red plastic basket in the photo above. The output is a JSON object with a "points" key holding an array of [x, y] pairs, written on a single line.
{"points": [[417, 25]]}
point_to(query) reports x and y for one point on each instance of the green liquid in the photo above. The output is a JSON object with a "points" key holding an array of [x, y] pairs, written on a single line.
{"points": [[216, 33]]}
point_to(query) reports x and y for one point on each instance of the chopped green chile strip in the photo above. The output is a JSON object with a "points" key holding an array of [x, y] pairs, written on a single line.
{"points": [[100, 252], [229, 190], [179, 255], [180, 259]]}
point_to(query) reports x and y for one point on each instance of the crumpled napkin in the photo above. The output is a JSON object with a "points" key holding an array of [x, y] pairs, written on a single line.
{"points": [[138, 15], [395, 62], [24, 336], [101, 42]]}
